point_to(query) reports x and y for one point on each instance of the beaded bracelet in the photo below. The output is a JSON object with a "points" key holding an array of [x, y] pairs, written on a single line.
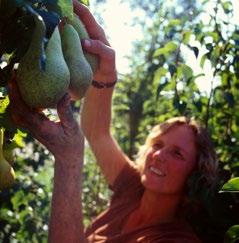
{"points": [[101, 85]]}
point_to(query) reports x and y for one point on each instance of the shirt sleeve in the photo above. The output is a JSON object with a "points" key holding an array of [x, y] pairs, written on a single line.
{"points": [[127, 183]]}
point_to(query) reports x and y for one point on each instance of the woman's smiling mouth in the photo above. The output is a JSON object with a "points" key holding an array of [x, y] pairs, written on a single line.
{"points": [[156, 171]]}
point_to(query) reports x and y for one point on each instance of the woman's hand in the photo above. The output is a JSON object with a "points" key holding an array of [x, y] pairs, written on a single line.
{"points": [[63, 138], [98, 45]]}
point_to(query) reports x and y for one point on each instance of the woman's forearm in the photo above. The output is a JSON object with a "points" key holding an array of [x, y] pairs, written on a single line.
{"points": [[66, 221], [96, 113]]}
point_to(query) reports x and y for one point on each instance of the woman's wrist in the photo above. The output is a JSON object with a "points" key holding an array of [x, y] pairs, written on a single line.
{"points": [[105, 81], [102, 85], [71, 159]]}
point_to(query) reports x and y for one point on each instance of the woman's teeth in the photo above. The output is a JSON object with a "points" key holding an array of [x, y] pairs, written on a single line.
{"points": [[156, 171]]}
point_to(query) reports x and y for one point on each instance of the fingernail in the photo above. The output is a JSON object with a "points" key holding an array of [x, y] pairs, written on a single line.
{"points": [[86, 43]]}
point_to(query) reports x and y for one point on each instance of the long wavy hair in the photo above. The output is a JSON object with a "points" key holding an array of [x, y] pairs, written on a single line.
{"points": [[207, 162]]}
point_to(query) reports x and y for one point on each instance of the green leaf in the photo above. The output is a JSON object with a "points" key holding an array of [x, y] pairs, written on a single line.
{"points": [[227, 6], [231, 186], [167, 49], [171, 46], [5, 117], [160, 72], [66, 8], [62, 7], [214, 35], [18, 138], [159, 51], [175, 22], [187, 71], [232, 234], [86, 2], [18, 200], [203, 59], [4, 102], [186, 37]]}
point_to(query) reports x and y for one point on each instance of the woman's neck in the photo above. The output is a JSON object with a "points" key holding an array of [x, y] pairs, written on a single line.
{"points": [[153, 209], [158, 208]]}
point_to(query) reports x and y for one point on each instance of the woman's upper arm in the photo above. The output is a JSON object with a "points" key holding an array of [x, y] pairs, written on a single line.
{"points": [[109, 156]]}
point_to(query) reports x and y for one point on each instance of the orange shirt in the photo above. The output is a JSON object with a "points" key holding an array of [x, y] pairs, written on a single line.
{"points": [[128, 190]]}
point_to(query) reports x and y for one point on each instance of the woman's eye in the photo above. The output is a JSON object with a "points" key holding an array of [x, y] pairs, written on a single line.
{"points": [[178, 154], [157, 146]]}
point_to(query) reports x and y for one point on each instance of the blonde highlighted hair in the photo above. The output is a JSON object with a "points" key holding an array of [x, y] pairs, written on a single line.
{"points": [[206, 156]]}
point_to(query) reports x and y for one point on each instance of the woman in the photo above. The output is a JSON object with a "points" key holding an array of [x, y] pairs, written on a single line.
{"points": [[149, 196]]}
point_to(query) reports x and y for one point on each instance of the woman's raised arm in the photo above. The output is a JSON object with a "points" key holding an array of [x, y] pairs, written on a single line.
{"points": [[96, 112], [65, 140]]}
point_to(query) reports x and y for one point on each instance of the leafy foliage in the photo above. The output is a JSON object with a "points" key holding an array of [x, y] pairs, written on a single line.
{"points": [[231, 185]]}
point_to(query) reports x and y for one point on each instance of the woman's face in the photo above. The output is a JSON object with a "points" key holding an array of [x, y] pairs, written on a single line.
{"points": [[170, 161]]}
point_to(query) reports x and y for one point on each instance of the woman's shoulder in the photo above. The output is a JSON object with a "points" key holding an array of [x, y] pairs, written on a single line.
{"points": [[128, 181]]}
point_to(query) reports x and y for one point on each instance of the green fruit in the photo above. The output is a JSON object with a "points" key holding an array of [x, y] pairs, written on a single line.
{"points": [[83, 34], [80, 71], [7, 174], [43, 87], [8, 153]]}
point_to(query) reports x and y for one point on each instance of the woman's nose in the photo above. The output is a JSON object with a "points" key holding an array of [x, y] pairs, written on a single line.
{"points": [[160, 154]]}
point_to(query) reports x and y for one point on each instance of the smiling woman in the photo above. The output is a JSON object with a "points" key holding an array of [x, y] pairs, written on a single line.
{"points": [[173, 157], [173, 152], [151, 197], [206, 157]]}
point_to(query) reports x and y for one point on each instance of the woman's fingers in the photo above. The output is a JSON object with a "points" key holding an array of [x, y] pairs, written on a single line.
{"points": [[106, 53], [84, 13], [98, 44], [68, 122], [93, 28], [99, 48], [21, 114]]}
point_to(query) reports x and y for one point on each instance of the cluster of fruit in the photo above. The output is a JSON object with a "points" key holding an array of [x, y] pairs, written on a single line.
{"points": [[48, 69], [66, 68]]}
